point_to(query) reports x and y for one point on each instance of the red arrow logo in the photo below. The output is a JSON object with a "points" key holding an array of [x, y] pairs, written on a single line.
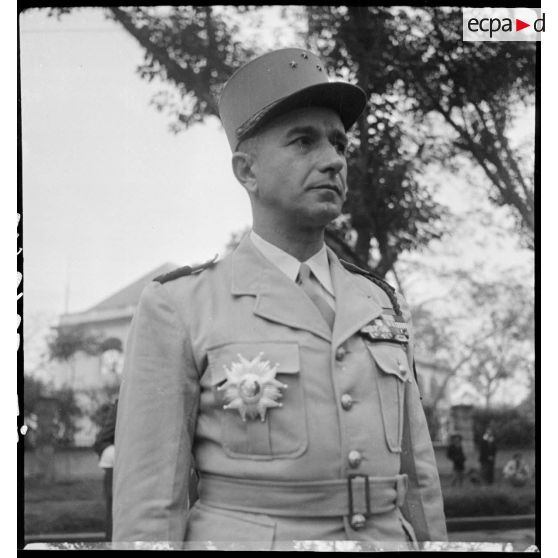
{"points": [[519, 25]]}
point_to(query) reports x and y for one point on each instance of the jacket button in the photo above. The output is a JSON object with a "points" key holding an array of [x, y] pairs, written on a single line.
{"points": [[355, 458], [357, 521], [340, 353], [346, 401]]}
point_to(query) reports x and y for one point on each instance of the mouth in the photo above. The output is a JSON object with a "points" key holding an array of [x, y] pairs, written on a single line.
{"points": [[332, 187]]}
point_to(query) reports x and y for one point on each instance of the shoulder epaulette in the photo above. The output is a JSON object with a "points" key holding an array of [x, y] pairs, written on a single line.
{"points": [[375, 278], [185, 271], [355, 269]]}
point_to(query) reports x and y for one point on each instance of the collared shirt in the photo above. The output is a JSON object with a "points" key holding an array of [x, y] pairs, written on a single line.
{"points": [[289, 265]]}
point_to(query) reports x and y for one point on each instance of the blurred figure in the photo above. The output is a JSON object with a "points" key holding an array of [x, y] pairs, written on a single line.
{"points": [[104, 446], [516, 471], [487, 456], [456, 455]]}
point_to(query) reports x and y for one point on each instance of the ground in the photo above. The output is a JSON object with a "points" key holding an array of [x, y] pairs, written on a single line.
{"points": [[64, 507], [520, 537]]}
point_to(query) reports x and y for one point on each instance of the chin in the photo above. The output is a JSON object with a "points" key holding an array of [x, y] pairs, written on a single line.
{"points": [[322, 216]]}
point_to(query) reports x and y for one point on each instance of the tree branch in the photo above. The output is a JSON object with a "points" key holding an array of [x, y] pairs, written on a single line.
{"points": [[174, 71]]}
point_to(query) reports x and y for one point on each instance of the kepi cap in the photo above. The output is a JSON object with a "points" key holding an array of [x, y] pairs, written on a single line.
{"points": [[280, 81]]}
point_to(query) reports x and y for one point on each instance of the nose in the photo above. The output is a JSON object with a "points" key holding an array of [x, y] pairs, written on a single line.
{"points": [[332, 161]]}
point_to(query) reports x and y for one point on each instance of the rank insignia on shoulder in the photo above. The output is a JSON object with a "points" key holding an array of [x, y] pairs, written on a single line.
{"points": [[391, 293], [185, 271], [386, 328], [251, 387]]}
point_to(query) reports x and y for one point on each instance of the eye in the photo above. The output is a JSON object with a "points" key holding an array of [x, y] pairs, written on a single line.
{"points": [[341, 147], [302, 142]]}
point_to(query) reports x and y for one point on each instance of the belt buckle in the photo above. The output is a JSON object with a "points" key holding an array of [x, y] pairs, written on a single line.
{"points": [[358, 519]]}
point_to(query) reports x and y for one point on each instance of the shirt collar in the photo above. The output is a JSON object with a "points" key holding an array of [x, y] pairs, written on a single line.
{"points": [[289, 265]]}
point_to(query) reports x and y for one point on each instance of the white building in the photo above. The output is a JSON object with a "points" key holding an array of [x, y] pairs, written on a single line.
{"points": [[95, 378]]}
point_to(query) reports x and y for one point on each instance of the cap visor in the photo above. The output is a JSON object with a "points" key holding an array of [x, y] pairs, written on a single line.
{"points": [[344, 98]]}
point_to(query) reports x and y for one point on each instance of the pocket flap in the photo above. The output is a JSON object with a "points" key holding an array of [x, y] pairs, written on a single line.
{"points": [[283, 355], [391, 359]]}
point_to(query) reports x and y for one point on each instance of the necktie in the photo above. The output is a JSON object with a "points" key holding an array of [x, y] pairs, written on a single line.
{"points": [[310, 287]]}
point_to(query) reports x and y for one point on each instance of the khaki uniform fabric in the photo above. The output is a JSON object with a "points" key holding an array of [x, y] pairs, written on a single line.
{"points": [[351, 406]]}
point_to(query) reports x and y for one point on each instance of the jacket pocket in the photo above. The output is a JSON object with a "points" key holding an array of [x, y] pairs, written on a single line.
{"points": [[393, 371], [283, 432]]}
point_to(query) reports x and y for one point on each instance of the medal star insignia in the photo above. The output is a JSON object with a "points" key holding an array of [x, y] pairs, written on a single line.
{"points": [[251, 387]]}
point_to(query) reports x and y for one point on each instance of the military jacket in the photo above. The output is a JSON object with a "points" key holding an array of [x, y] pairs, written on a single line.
{"points": [[348, 405]]}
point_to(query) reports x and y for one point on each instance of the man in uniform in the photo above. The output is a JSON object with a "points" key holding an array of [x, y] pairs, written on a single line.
{"points": [[280, 374]]}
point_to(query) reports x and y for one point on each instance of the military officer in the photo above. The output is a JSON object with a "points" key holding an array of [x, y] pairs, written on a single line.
{"points": [[282, 375]]}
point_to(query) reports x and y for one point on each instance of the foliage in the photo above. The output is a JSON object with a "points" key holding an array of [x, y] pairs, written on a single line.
{"points": [[67, 341], [33, 390], [482, 330], [390, 208], [100, 402], [413, 65], [56, 425], [59, 425], [489, 501], [527, 406], [508, 346], [195, 48], [510, 427], [68, 412], [417, 73], [478, 89]]}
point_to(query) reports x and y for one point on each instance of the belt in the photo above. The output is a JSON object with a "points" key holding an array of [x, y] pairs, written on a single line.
{"points": [[355, 495]]}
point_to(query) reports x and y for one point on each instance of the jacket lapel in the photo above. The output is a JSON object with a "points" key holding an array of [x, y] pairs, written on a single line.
{"points": [[278, 299], [355, 301]]}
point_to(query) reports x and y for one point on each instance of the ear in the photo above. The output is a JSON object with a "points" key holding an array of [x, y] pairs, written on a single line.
{"points": [[243, 168]]}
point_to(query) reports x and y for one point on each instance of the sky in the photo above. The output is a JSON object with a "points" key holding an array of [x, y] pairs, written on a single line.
{"points": [[109, 193]]}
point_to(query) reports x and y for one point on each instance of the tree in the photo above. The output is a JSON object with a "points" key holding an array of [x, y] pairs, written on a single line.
{"points": [[485, 336], [413, 62], [507, 349], [511, 427], [196, 49], [411, 66], [390, 210], [67, 341], [478, 89], [436, 337], [49, 424]]}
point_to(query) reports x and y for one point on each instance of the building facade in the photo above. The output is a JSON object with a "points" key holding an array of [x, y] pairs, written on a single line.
{"points": [[95, 377]]}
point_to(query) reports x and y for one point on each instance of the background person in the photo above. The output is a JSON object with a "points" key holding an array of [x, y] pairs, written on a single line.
{"points": [[104, 446], [516, 471], [487, 456], [456, 455]]}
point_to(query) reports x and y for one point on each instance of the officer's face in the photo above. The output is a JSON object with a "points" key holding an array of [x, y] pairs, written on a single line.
{"points": [[300, 167]]}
